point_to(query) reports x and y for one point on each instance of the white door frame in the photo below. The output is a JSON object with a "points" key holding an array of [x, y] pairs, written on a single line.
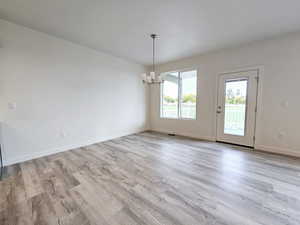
{"points": [[260, 73]]}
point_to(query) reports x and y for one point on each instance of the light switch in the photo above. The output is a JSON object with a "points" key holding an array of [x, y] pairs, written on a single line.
{"points": [[63, 134], [12, 105], [285, 104]]}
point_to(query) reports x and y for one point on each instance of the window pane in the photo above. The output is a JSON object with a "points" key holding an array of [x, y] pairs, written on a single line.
{"points": [[235, 107], [188, 94], [170, 96]]}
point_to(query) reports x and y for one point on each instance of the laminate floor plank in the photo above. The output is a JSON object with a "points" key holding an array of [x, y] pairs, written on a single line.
{"points": [[153, 179]]}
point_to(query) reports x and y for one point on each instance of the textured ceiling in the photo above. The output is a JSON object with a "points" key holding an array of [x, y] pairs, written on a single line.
{"points": [[186, 27]]}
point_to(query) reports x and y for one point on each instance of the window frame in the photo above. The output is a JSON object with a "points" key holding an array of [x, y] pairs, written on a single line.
{"points": [[179, 117]]}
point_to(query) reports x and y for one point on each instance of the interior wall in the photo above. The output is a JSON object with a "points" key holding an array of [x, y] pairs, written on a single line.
{"points": [[279, 109], [56, 95]]}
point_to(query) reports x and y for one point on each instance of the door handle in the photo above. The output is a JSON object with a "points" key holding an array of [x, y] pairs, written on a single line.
{"points": [[219, 110]]}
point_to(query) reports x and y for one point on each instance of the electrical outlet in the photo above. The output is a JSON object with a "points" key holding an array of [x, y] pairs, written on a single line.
{"points": [[281, 134], [63, 134]]}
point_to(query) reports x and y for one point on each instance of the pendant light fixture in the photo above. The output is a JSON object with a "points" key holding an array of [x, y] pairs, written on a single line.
{"points": [[152, 78]]}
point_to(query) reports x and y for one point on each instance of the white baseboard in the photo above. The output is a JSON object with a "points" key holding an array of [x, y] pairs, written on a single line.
{"points": [[185, 134], [23, 158], [271, 149], [52, 151], [278, 150]]}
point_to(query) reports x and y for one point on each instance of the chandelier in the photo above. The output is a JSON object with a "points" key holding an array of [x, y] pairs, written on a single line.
{"points": [[152, 78]]}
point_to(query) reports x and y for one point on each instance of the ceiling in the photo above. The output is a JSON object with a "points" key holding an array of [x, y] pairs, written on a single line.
{"points": [[185, 27]]}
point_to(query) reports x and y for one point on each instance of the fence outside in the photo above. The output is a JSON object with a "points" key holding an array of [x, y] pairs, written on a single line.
{"points": [[234, 115], [188, 110]]}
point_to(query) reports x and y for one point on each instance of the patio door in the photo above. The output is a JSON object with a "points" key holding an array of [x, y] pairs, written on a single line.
{"points": [[236, 108]]}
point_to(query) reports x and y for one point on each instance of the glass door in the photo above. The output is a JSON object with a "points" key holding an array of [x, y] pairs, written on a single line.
{"points": [[236, 108]]}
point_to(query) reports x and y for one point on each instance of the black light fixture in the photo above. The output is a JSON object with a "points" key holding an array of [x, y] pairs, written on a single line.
{"points": [[152, 78]]}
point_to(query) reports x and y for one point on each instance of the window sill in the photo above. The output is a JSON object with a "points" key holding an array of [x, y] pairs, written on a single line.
{"points": [[170, 118]]}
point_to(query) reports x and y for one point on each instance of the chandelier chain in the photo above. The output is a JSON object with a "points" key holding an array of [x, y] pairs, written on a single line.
{"points": [[153, 51]]}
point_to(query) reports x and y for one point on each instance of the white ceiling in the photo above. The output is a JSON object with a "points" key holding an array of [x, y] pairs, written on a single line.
{"points": [[186, 27]]}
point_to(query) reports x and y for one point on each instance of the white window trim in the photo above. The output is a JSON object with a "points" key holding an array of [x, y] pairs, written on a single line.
{"points": [[179, 96]]}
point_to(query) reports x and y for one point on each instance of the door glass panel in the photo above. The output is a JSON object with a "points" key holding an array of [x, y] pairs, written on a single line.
{"points": [[235, 107]]}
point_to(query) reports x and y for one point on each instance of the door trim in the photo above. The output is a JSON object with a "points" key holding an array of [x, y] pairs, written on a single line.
{"points": [[260, 73]]}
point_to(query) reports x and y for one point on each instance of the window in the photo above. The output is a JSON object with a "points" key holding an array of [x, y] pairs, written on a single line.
{"points": [[178, 95]]}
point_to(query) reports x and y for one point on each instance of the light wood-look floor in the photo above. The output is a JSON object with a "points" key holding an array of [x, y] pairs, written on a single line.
{"points": [[150, 178]]}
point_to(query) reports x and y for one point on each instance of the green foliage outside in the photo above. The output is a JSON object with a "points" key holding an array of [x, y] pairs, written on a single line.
{"points": [[169, 99], [189, 98], [235, 100], [186, 98]]}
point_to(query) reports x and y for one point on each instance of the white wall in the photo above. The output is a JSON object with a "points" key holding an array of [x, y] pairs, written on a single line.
{"points": [[279, 112], [66, 95]]}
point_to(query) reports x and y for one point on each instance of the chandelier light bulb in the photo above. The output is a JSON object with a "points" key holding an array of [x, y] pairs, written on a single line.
{"points": [[152, 75], [159, 79], [149, 80], [144, 77]]}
